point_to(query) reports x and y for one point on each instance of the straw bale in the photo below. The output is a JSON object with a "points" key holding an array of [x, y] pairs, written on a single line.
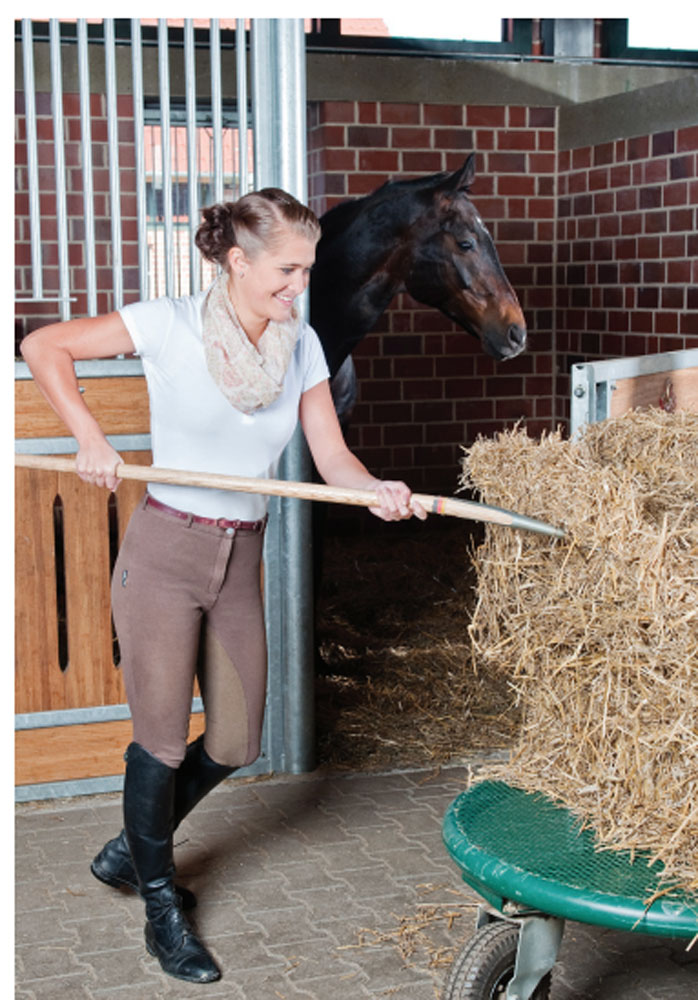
{"points": [[598, 632]]}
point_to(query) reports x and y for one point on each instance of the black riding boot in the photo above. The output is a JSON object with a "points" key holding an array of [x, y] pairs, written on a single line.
{"points": [[149, 788], [197, 775]]}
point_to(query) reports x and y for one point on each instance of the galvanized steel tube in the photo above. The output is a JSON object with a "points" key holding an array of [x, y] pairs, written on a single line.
{"points": [[164, 78], [114, 178], [295, 464], [59, 161], [32, 158], [279, 107], [192, 166], [243, 132], [138, 127], [216, 110], [263, 102], [87, 185]]}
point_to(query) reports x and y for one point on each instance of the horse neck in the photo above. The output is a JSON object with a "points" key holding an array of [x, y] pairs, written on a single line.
{"points": [[365, 274]]}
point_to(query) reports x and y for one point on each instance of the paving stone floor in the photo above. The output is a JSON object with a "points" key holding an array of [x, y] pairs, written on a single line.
{"points": [[312, 887]]}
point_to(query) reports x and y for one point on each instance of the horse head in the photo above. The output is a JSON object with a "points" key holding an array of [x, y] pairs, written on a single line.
{"points": [[423, 235], [450, 262]]}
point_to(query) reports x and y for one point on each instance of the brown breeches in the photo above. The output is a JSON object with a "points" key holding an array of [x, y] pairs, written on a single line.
{"points": [[187, 603]]}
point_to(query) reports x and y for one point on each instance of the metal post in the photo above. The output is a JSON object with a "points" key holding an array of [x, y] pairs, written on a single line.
{"points": [[279, 108], [87, 185], [243, 133], [32, 159], [217, 110], [141, 210], [59, 160], [192, 168], [164, 78], [114, 175]]}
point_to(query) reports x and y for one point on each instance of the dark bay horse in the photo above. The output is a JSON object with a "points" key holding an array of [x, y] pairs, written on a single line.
{"points": [[424, 236]]}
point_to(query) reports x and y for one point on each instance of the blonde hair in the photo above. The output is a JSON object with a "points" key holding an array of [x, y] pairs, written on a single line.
{"points": [[254, 223]]}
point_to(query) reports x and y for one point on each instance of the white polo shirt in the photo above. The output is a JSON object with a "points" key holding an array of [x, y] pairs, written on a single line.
{"points": [[193, 426]]}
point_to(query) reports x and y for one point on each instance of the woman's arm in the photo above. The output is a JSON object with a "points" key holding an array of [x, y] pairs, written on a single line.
{"points": [[50, 353], [338, 466]]}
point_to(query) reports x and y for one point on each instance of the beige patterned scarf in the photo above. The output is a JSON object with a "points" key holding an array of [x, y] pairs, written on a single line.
{"points": [[249, 377]]}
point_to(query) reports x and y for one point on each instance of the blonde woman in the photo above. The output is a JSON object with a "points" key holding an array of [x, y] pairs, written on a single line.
{"points": [[230, 371]]}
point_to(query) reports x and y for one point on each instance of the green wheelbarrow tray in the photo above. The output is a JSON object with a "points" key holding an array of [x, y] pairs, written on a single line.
{"points": [[522, 847], [528, 857]]}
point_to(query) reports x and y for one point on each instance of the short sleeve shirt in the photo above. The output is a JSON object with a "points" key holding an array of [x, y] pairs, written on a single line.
{"points": [[193, 426]]}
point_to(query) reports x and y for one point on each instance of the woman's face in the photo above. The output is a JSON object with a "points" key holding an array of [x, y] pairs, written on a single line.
{"points": [[266, 286]]}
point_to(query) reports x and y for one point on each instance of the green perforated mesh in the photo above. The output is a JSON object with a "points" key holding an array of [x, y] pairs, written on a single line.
{"points": [[520, 841], [531, 832]]}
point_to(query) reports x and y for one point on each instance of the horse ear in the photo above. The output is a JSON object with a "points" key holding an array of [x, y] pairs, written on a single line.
{"points": [[461, 179]]}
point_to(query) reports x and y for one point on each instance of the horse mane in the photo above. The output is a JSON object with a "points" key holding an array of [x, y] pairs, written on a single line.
{"points": [[339, 218]]}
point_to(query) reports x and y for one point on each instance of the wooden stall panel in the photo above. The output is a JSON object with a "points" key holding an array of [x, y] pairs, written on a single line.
{"points": [[36, 606], [66, 660], [72, 753], [671, 390], [120, 404]]}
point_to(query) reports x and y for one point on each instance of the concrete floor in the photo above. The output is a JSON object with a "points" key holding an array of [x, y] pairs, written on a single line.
{"points": [[317, 887]]}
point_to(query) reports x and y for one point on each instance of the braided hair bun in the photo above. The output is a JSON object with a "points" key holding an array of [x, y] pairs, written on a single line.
{"points": [[255, 222]]}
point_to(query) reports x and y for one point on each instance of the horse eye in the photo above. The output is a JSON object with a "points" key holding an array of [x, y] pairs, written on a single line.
{"points": [[466, 245]]}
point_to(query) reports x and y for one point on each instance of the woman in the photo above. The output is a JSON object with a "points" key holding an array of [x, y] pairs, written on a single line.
{"points": [[229, 372]]}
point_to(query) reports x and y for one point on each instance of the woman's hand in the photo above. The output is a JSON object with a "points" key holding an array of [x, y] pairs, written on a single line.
{"points": [[96, 463], [396, 502], [340, 467]]}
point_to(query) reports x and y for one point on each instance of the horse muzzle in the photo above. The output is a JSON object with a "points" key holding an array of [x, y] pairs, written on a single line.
{"points": [[503, 344]]}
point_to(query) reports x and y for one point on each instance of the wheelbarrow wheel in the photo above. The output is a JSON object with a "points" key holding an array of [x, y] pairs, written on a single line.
{"points": [[486, 965]]}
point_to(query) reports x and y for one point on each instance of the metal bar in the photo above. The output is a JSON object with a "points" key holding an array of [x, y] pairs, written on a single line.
{"points": [[274, 596], [87, 185], [69, 445], [32, 159], [80, 716], [243, 131], [113, 147], [263, 110], [110, 783], [141, 211], [45, 298], [295, 464], [59, 160], [164, 77], [68, 789], [95, 368], [217, 110], [582, 400], [291, 113], [192, 166], [278, 110]]}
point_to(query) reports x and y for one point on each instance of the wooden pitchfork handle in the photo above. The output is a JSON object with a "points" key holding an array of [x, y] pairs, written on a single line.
{"points": [[447, 506]]}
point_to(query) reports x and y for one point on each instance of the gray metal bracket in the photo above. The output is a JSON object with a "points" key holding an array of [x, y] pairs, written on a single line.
{"points": [[539, 943]]}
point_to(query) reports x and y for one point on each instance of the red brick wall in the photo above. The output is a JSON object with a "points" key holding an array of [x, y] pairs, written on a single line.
{"points": [[426, 388], [600, 244], [627, 248]]}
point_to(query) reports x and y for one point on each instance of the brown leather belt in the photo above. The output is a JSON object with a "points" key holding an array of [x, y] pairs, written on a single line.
{"points": [[220, 522]]}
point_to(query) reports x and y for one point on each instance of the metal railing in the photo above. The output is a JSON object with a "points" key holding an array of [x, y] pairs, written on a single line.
{"points": [[77, 52]]}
